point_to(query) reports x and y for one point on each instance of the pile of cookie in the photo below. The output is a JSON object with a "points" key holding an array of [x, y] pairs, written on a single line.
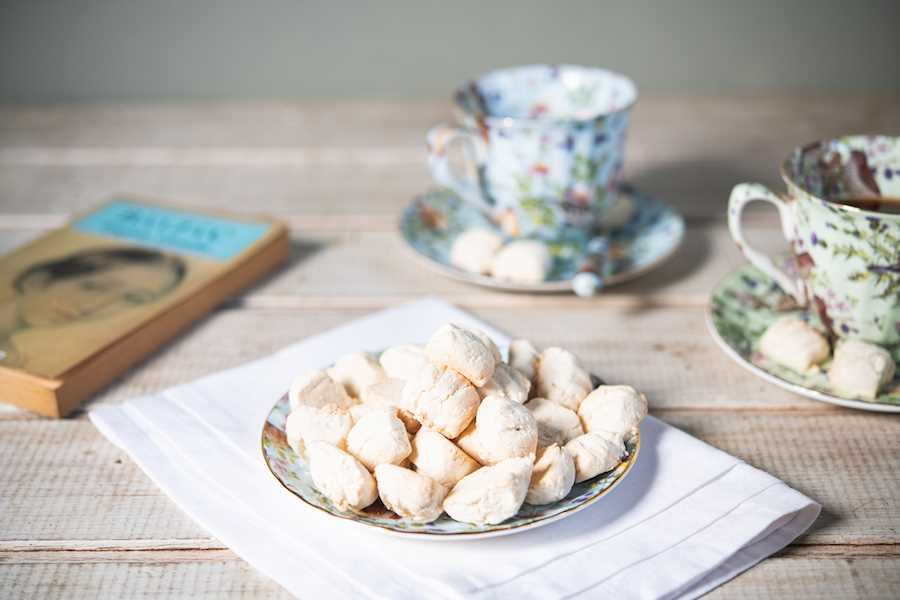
{"points": [[482, 251], [858, 369], [452, 427]]}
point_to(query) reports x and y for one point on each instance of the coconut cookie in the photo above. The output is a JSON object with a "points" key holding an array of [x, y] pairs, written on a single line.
{"points": [[524, 356], [403, 362], [439, 458], [556, 423], [552, 477], [474, 249], [468, 442], [378, 438], [522, 261], [340, 477], [617, 409], [389, 393], [411, 495], [508, 382], [492, 494], [595, 453], [860, 369], [356, 372], [463, 351], [441, 399], [505, 429], [316, 388], [793, 343], [307, 424], [560, 378]]}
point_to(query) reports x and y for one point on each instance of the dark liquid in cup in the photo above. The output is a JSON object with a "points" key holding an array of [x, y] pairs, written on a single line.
{"points": [[874, 204]]}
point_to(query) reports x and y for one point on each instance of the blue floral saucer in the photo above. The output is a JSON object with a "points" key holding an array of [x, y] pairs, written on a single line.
{"points": [[743, 306], [293, 473], [649, 233]]}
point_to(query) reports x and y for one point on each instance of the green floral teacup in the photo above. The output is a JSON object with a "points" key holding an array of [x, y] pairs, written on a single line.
{"points": [[544, 143], [841, 216]]}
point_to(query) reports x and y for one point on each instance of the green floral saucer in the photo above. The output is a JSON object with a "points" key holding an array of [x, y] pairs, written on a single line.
{"points": [[649, 233], [743, 306], [292, 472]]}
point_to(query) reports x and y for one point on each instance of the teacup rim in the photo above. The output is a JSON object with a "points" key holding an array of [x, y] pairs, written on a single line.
{"points": [[793, 185], [507, 120]]}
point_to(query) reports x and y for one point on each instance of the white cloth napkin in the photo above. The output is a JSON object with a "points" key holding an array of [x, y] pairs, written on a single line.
{"points": [[687, 518]]}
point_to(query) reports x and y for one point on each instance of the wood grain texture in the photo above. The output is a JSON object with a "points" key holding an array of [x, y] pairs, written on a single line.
{"points": [[219, 574]]}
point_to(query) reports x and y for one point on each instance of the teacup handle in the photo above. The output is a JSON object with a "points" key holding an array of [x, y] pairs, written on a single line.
{"points": [[743, 194], [440, 138]]}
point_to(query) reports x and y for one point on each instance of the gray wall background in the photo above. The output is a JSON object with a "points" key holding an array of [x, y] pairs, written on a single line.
{"points": [[88, 50]]}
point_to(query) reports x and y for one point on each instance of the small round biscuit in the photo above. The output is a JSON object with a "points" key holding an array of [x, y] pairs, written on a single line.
{"points": [[308, 424], [489, 343], [441, 399], [522, 261], [860, 369], [553, 476], [390, 393], [378, 438], [356, 371], [524, 356], [439, 458], [403, 362], [506, 381], [468, 441], [595, 453], [340, 477], [505, 429], [358, 411], [556, 423], [492, 494], [316, 388], [617, 409], [561, 379], [411, 495], [459, 349], [474, 249]]}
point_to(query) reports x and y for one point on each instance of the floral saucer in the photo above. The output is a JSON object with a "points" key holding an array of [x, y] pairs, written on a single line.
{"points": [[649, 233], [293, 473], [743, 306]]}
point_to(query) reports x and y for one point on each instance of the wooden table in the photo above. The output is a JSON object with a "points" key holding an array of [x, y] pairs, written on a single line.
{"points": [[78, 519]]}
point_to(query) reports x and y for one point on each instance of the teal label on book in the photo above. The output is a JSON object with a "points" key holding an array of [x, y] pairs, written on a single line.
{"points": [[175, 230]]}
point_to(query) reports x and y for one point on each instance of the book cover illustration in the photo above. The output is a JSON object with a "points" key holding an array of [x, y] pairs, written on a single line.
{"points": [[69, 294]]}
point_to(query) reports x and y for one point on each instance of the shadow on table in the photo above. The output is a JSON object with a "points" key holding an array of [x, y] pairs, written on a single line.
{"points": [[699, 187]]}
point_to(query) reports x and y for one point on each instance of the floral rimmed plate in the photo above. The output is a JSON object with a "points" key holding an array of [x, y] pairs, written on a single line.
{"points": [[743, 306], [292, 472], [649, 236]]}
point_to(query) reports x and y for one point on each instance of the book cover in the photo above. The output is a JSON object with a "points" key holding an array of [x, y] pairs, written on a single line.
{"points": [[82, 303]]}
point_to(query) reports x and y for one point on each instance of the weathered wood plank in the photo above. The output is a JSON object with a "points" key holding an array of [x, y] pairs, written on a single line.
{"points": [[67, 487], [367, 157], [199, 574], [219, 574], [660, 122]]}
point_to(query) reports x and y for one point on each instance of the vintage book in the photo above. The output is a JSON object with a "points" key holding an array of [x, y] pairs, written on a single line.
{"points": [[83, 303]]}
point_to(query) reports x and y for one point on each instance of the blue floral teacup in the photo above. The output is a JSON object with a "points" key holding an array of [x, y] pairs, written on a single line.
{"points": [[544, 145]]}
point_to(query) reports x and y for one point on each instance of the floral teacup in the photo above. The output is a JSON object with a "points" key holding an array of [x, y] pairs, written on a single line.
{"points": [[545, 144], [846, 258]]}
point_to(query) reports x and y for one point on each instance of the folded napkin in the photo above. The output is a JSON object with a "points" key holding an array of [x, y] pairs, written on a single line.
{"points": [[687, 518]]}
